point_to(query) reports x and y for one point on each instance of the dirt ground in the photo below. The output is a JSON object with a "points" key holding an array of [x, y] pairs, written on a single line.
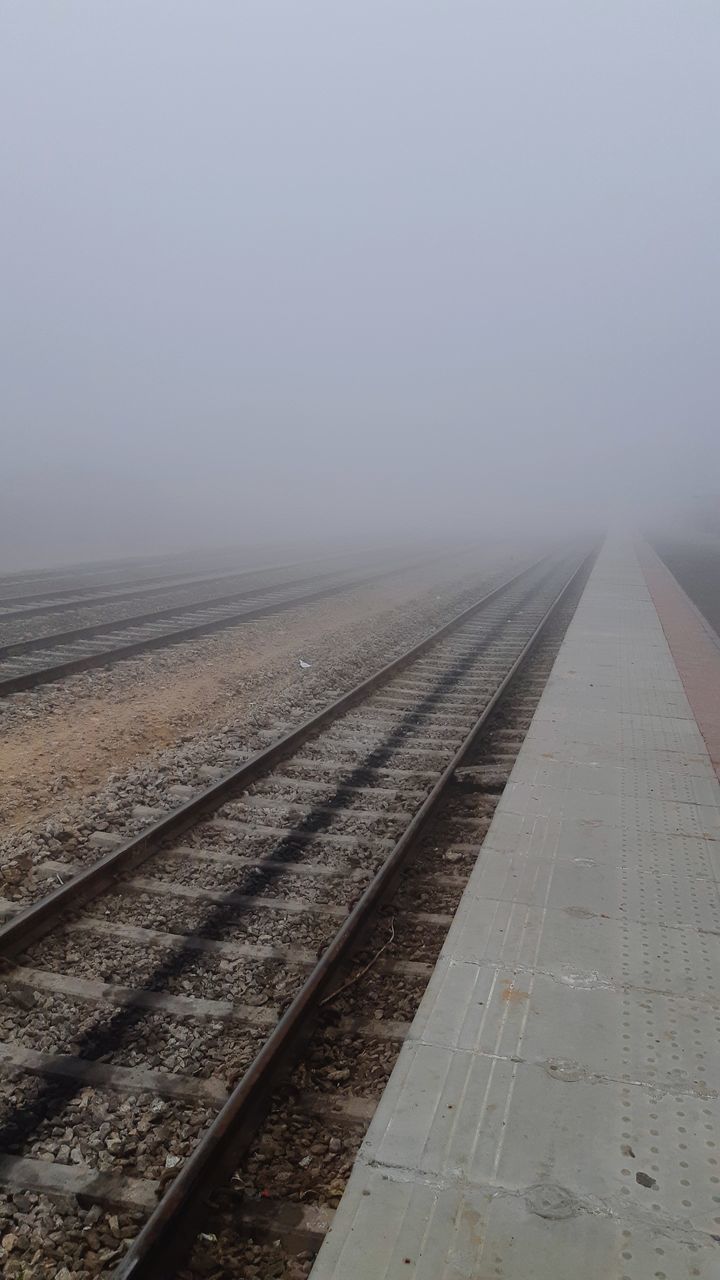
{"points": [[63, 741]]}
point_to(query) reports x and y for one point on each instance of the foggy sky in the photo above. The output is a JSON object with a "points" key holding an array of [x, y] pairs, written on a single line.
{"points": [[353, 264]]}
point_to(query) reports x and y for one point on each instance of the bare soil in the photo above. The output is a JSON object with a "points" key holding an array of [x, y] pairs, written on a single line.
{"points": [[61, 742]]}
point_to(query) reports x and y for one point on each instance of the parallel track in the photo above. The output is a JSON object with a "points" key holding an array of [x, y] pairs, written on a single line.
{"points": [[43, 586], [287, 849], [90, 598], [45, 659]]}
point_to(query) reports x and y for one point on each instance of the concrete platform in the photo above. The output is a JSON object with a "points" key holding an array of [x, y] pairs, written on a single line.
{"points": [[555, 1112]]}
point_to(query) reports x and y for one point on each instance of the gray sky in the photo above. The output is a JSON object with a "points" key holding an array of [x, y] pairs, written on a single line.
{"points": [[353, 264]]}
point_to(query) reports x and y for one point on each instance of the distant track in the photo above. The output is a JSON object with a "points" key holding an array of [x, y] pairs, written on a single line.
{"points": [[42, 660], [76, 597], [157, 586], [40, 589]]}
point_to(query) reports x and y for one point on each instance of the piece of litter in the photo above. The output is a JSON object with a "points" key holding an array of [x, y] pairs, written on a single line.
{"points": [[305, 666], [59, 878], [171, 1161], [206, 1235]]}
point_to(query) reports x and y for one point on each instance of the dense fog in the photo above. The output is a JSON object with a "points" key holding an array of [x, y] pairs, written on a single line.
{"points": [[281, 271]]}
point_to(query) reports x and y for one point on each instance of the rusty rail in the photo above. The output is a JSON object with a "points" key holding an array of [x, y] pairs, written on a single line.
{"points": [[169, 1231]]}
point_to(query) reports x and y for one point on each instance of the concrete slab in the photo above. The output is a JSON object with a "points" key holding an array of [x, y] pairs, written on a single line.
{"points": [[555, 1110]]}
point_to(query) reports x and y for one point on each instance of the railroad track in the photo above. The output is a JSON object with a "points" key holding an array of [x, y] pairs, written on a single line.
{"points": [[271, 1216], [149, 1008], [44, 586], [89, 598], [48, 601], [40, 660]]}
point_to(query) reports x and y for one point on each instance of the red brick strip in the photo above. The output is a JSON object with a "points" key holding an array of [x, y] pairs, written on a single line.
{"points": [[693, 644]]}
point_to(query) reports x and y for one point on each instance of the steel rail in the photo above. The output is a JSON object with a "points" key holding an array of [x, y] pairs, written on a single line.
{"points": [[106, 657], [38, 919], [87, 591], [55, 639], [159, 581], [157, 587], [91, 568], [86, 595], [170, 1230]]}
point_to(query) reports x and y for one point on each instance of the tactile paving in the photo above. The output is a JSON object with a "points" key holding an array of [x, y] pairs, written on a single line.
{"points": [[555, 1111]]}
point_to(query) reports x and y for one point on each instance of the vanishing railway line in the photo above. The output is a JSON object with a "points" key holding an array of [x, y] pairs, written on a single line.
{"points": [[90, 598], [149, 1008], [44, 586], [24, 664], [31, 603], [272, 1214]]}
